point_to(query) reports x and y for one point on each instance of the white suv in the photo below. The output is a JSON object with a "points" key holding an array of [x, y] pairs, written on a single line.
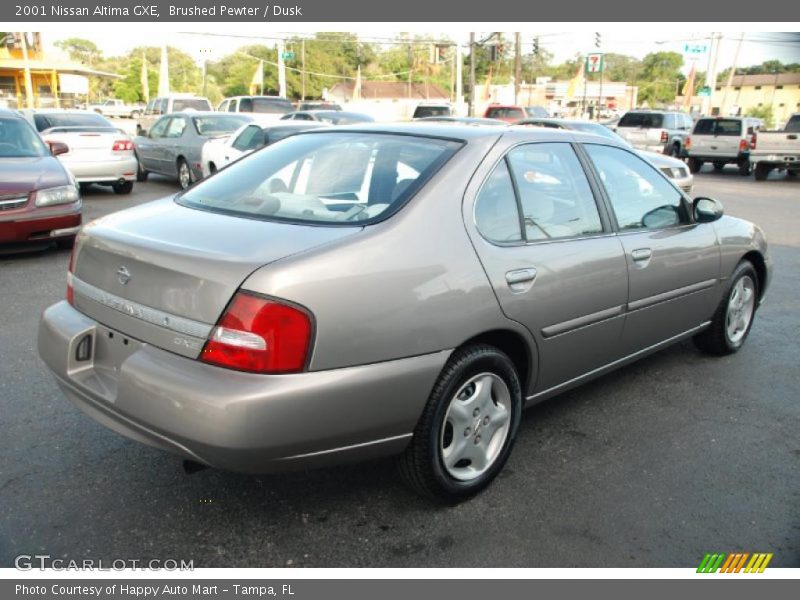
{"points": [[722, 140]]}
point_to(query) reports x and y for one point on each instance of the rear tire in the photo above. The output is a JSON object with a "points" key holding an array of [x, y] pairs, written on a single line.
{"points": [[212, 168], [468, 426], [184, 174], [762, 171], [735, 314], [744, 167], [123, 188], [675, 150], [695, 164]]}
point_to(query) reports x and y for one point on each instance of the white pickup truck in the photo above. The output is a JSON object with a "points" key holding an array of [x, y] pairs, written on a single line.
{"points": [[777, 150], [117, 108]]}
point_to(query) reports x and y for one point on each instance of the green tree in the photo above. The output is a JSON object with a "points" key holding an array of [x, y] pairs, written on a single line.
{"points": [[763, 112], [660, 78], [80, 50]]}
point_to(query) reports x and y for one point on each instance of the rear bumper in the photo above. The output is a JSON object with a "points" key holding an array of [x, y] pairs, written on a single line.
{"points": [[785, 161], [108, 171], [40, 225], [649, 147], [233, 420]]}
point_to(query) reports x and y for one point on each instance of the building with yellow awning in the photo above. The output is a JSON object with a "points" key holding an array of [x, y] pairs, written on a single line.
{"points": [[30, 79]]}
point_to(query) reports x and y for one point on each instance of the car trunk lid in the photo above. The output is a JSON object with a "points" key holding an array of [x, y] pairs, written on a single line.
{"points": [[163, 273], [89, 144]]}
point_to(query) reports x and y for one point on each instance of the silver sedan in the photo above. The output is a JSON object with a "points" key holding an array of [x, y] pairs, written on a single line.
{"points": [[364, 291]]}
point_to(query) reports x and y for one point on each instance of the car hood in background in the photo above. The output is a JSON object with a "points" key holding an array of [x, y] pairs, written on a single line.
{"points": [[24, 175]]}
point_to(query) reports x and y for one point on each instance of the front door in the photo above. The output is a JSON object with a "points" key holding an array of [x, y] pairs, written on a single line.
{"points": [[673, 263], [552, 259]]}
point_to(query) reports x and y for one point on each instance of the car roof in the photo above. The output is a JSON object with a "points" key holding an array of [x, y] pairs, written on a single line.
{"points": [[8, 114], [203, 113]]}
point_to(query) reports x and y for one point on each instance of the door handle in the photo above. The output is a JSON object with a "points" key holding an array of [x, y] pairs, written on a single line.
{"points": [[520, 280], [642, 255]]}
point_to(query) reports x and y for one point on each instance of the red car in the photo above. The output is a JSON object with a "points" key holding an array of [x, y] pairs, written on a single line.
{"points": [[505, 112], [39, 199]]}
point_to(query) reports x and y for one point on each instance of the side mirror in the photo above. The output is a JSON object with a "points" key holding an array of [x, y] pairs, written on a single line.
{"points": [[57, 148], [707, 210]]}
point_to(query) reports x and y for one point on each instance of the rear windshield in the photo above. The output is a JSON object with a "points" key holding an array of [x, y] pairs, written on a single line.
{"points": [[431, 111], [505, 113], [644, 120], [73, 121], [267, 106], [179, 104], [324, 178], [718, 127], [536, 111], [218, 125], [335, 117], [18, 139]]}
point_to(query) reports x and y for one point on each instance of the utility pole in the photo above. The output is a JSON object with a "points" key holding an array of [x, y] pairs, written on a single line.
{"points": [[729, 83], [303, 75], [517, 65], [281, 69], [472, 74], [410, 69], [711, 73], [27, 70], [459, 76]]}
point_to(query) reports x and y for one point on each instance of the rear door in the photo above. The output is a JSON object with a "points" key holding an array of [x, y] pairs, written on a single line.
{"points": [[172, 145], [673, 263], [149, 148], [552, 260]]}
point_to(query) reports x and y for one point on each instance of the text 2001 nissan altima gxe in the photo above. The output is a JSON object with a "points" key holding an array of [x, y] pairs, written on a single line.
{"points": [[351, 293]]}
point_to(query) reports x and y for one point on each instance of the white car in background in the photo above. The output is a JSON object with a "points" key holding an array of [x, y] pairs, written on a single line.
{"points": [[99, 152], [221, 151]]}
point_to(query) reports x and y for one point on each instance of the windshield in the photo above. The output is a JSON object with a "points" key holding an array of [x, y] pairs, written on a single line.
{"points": [[214, 125], [179, 104], [431, 111], [18, 139], [87, 121], [644, 120], [324, 178]]}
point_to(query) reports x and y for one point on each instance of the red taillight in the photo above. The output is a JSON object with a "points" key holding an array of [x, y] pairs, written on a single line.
{"points": [[259, 335], [753, 141], [688, 143], [122, 146], [70, 291], [743, 145], [664, 136]]}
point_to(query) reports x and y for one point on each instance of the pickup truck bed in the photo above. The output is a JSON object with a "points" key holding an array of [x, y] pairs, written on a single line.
{"points": [[777, 150]]}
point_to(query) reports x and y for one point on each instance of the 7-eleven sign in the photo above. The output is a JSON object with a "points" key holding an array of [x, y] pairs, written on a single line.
{"points": [[594, 63]]}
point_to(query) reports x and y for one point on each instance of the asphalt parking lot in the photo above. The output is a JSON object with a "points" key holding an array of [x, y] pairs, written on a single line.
{"points": [[652, 466]]}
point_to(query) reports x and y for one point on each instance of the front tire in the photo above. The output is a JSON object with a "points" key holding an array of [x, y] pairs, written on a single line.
{"points": [[141, 172], [695, 164], [734, 316], [468, 426]]}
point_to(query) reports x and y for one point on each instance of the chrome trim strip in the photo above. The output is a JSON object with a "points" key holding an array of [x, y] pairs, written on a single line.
{"points": [[344, 448], [624, 359], [671, 294], [584, 321], [144, 313]]}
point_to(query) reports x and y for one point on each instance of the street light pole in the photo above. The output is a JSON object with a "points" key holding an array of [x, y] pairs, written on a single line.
{"points": [[517, 65]]}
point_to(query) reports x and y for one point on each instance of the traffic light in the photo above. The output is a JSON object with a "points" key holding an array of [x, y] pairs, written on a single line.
{"points": [[536, 45], [596, 40]]}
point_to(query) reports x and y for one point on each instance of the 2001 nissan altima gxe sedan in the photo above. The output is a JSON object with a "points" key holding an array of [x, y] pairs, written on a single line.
{"points": [[405, 289]]}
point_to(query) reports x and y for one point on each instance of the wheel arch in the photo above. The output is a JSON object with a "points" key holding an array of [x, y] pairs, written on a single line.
{"points": [[515, 346], [759, 264]]}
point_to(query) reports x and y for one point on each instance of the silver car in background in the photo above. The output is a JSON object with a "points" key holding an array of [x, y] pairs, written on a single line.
{"points": [[98, 152], [406, 289]]}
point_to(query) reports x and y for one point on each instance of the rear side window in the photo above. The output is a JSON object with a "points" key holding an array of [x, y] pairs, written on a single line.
{"points": [[643, 120], [251, 138], [538, 192], [793, 126], [324, 178], [73, 121], [496, 208]]}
